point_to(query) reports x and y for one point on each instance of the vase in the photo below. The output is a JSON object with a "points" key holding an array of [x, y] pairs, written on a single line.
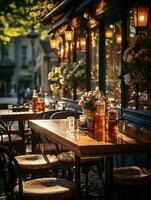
{"points": [[89, 113]]}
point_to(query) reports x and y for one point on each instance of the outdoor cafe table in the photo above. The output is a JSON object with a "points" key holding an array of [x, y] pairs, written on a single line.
{"points": [[56, 131], [7, 116]]}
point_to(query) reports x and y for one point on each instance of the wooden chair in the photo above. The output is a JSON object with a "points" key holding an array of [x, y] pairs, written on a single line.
{"points": [[49, 188]]}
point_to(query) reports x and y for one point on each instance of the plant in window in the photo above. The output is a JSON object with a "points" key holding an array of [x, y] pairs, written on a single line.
{"points": [[137, 60]]}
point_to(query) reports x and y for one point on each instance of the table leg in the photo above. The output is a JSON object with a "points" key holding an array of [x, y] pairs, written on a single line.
{"points": [[108, 178], [77, 174], [22, 129]]}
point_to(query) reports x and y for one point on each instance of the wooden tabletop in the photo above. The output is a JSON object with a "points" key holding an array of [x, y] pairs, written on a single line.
{"points": [[7, 115], [56, 130]]}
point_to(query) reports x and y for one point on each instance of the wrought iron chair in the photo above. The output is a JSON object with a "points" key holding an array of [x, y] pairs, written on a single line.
{"points": [[31, 164], [13, 188], [133, 180], [11, 140]]}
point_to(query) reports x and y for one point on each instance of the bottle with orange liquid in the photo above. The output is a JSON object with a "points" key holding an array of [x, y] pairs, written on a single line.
{"points": [[100, 119], [112, 120], [35, 101], [40, 100]]}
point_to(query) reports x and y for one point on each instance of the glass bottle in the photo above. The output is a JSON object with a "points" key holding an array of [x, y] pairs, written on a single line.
{"points": [[112, 121], [100, 120], [46, 101], [40, 100], [35, 101]]}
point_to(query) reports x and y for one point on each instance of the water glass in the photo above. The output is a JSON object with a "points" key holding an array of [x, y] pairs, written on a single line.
{"points": [[10, 108], [72, 127]]}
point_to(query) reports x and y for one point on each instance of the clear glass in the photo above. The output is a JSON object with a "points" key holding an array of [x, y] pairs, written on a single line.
{"points": [[113, 42]]}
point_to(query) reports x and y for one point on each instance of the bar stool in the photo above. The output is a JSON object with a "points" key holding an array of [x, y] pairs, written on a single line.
{"points": [[50, 188]]}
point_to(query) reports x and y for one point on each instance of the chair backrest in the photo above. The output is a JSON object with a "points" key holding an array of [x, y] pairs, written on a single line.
{"points": [[10, 175], [48, 114], [64, 114], [4, 132]]}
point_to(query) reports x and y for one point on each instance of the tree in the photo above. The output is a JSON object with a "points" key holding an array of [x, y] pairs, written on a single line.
{"points": [[17, 17]]}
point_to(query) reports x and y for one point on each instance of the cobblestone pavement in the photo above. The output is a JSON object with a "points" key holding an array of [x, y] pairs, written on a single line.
{"points": [[95, 186]]}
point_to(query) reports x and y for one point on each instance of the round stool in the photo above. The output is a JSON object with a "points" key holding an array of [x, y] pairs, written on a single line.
{"points": [[132, 179], [48, 189], [131, 176], [36, 161]]}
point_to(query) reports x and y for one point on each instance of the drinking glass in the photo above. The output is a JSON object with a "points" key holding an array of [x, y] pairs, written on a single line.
{"points": [[10, 108], [72, 127]]}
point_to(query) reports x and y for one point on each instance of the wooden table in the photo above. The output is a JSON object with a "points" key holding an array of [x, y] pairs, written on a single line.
{"points": [[84, 145], [7, 115]]}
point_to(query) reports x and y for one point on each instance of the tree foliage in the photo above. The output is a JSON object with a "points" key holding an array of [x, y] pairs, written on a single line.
{"points": [[17, 17]]}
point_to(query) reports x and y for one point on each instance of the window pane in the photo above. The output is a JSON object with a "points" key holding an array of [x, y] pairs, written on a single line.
{"points": [[94, 57], [113, 62]]}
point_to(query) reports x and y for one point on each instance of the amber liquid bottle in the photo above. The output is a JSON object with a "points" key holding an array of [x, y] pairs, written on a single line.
{"points": [[100, 121], [112, 122], [35, 101], [40, 100]]}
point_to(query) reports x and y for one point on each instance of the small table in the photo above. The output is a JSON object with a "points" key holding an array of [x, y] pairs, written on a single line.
{"points": [[56, 131], [7, 115]]}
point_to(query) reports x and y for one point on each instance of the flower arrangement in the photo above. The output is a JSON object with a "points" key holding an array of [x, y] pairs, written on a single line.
{"points": [[88, 100], [73, 71], [54, 77], [137, 60], [64, 75]]}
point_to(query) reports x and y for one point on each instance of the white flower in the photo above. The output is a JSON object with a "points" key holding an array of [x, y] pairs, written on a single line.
{"points": [[127, 79]]}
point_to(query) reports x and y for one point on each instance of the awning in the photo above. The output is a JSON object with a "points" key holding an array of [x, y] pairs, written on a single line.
{"points": [[84, 5], [62, 21], [62, 8]]}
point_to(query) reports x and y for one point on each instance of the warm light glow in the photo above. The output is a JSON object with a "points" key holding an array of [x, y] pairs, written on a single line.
{"points": [[109, 33], [78, 45], [118, 38], [140, 14], [68, 34], [54, 42], [82, 43]]}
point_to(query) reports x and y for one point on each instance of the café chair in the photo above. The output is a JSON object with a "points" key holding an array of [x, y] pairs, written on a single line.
{"points": [[134, 179], [67, 158], [49, 188], [11, 140], [40, 143], [31, 164]]}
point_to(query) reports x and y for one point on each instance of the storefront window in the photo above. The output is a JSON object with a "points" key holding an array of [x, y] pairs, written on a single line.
{"points": [[94, 57], [113, 40], [81, 57], [138, 98]]}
